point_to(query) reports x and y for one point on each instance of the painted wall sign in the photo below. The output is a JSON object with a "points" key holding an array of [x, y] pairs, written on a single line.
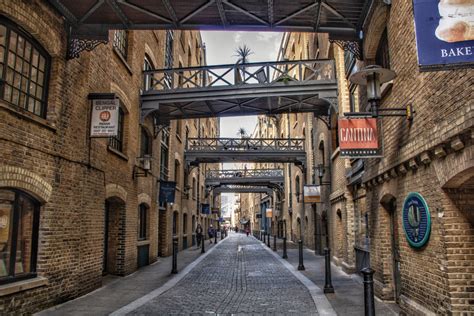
{"points": [[312, 194], [167, 191], [269, 213], [358, 137], [104, 118], [416, 220], [444, 32]]}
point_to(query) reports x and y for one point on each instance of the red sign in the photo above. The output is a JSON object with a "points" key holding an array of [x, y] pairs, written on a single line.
{"points": [[358, 137]]}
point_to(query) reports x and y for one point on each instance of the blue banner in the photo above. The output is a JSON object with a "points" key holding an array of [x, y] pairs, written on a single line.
{"points": [[444, 32], [167, 191], [205, 209]]}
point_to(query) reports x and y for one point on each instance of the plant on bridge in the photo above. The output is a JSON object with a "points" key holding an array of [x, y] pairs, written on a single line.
{"points": [[243, 53], [242, 132]]}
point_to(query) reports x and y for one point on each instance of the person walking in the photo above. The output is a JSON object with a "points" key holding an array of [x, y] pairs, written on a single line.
{"points": [[210, 232], [199, 235]]}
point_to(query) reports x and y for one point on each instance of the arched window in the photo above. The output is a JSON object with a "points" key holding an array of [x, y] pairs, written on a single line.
{"points": [[194, 188], [19, 222], [142, 221], [24, 69], [121, 43], [297, 191], [185, 224], [145, 147]]}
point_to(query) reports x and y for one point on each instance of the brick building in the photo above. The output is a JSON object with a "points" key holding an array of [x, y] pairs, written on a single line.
{"points": [[73, 208], [430, 156]]}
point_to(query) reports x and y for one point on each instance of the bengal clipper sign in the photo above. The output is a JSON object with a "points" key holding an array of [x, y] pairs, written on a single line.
{"points": [[104, 119], [358, 137]]}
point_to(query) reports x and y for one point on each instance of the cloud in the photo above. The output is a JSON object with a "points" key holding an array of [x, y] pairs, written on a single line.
{"points": [[267, 36], [238, 36]]}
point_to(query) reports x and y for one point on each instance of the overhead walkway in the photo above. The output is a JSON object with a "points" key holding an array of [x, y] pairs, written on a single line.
{"points": [[241, 189], [270, 150], [240, 89], [241, 178]]}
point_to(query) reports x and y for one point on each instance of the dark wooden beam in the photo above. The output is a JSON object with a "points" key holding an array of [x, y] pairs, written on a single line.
{"points": [[336, 13], [113, 4], [171, 12], [247, 13], [220, 8], [198, 10], [270, 12], [296, 13], [143, 10]]}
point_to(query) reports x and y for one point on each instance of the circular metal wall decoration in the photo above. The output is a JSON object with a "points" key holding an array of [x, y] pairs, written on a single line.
{"points": [[416, 220]]}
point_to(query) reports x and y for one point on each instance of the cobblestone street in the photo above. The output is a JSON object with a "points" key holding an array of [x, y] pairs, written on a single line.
{"points": [[239, 277]]}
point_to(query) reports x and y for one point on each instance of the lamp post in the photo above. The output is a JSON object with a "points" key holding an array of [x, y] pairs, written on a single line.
{"points": [[373, 76]]}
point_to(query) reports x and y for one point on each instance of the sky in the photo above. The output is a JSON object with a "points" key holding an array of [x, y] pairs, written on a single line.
{"points": [[220, 48]]}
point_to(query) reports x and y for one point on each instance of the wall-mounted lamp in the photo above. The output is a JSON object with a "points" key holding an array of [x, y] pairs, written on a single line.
{"points": [[144, 163], [319, 171], [373, 76]]}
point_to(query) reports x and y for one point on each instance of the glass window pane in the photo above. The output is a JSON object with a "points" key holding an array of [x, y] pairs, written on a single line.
{"points": [[3, 34], [40, 77], [7, 95], [7, 198], [42, 63], [13, 41], [25, 235], [2, 55], [11, 60], [38, 108], [39, 92], [26, 68], [22, 100], [15, 96], [34, 73], [21, 46], [17, 81], [35, 58], [28, 51], [31, 104]]}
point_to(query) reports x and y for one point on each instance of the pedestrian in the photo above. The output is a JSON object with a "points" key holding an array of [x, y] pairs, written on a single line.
{"points": [[198, 235], [210, 232], [247, 231]]}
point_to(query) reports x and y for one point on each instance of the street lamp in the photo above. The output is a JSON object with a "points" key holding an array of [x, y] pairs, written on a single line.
{"points": [[373, 76]]}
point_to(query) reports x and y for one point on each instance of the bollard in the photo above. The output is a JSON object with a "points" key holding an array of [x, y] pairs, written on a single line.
{"points": [[274, 243], [222, 235], [328, 288], [285, 255], [226, 233], [264, 236], [268, 240], [300, 250], [174, 269], [369, 291], [215, 236], [202, 244]]}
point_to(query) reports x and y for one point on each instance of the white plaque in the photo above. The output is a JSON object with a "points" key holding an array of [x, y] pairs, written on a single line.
{"points": [[104, 119]]}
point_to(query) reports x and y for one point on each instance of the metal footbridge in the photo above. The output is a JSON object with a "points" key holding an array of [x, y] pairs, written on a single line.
{"points": [[270, 150], [241, 177]]}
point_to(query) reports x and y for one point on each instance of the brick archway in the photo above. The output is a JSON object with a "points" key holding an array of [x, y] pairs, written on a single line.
{"points": [[27, 181]]}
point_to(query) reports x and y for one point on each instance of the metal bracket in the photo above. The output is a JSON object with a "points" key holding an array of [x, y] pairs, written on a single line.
{"points": [[355, 47], [157, 128], [76, 45], [325, 119], [407, 112]]}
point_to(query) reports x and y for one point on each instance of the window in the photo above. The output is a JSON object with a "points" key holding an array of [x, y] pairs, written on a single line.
{"points": [[297, 185], [147, 78], [175, 223], [176, 172], [121, 42], [194, 188], [19, 221], [382, 57], [142, 222], [165, 142], [24, 70], [349, 61], [178, 128], [185, 223], [169, 56], [146, 144], [116, 142], [352, 97]]}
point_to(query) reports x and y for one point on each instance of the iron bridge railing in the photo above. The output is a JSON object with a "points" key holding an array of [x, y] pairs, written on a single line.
{"points": [[244, 173], [243, 75], [245, 144]]}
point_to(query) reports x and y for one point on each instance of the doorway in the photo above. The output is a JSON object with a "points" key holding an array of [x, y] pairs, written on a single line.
{"points": [[113, 209]]}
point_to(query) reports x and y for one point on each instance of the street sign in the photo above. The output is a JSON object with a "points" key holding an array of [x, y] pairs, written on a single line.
{"points": [[269, 213], [358, 137], [205, 209], [167, 191], [312, 194], [104, 118]]}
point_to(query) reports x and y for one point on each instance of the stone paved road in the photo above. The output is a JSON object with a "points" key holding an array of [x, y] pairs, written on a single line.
{"points": [[238, 277]]}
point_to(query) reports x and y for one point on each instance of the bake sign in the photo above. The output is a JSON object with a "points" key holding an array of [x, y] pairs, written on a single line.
{"points": [[104, 119], [416, 220], [444, 32]]}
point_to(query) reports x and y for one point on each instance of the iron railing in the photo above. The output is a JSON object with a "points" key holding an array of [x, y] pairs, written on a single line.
{"points": [[242, 75], [244, 173], [244, 144]]}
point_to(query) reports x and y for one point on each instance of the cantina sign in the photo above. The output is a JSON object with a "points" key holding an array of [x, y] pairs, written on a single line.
{"points": [[358, 137]]}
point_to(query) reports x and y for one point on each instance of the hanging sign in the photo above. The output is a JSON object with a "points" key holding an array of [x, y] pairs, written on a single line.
{"points": [[416, 220], [205, 209], [104, 118], [444, 32], [269, 213], [358, 137], [258, 215], [167, 191], [312, 194]]}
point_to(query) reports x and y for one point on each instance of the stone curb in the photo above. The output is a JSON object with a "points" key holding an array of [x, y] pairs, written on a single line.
{"points": [[322, 304]]}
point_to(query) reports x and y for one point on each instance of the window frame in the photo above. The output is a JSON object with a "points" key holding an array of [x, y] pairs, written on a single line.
{"points": [[15, 217], [147, 78], [35, 45], [148, 150], [117, 142], [120, 44], [142, 222]]}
